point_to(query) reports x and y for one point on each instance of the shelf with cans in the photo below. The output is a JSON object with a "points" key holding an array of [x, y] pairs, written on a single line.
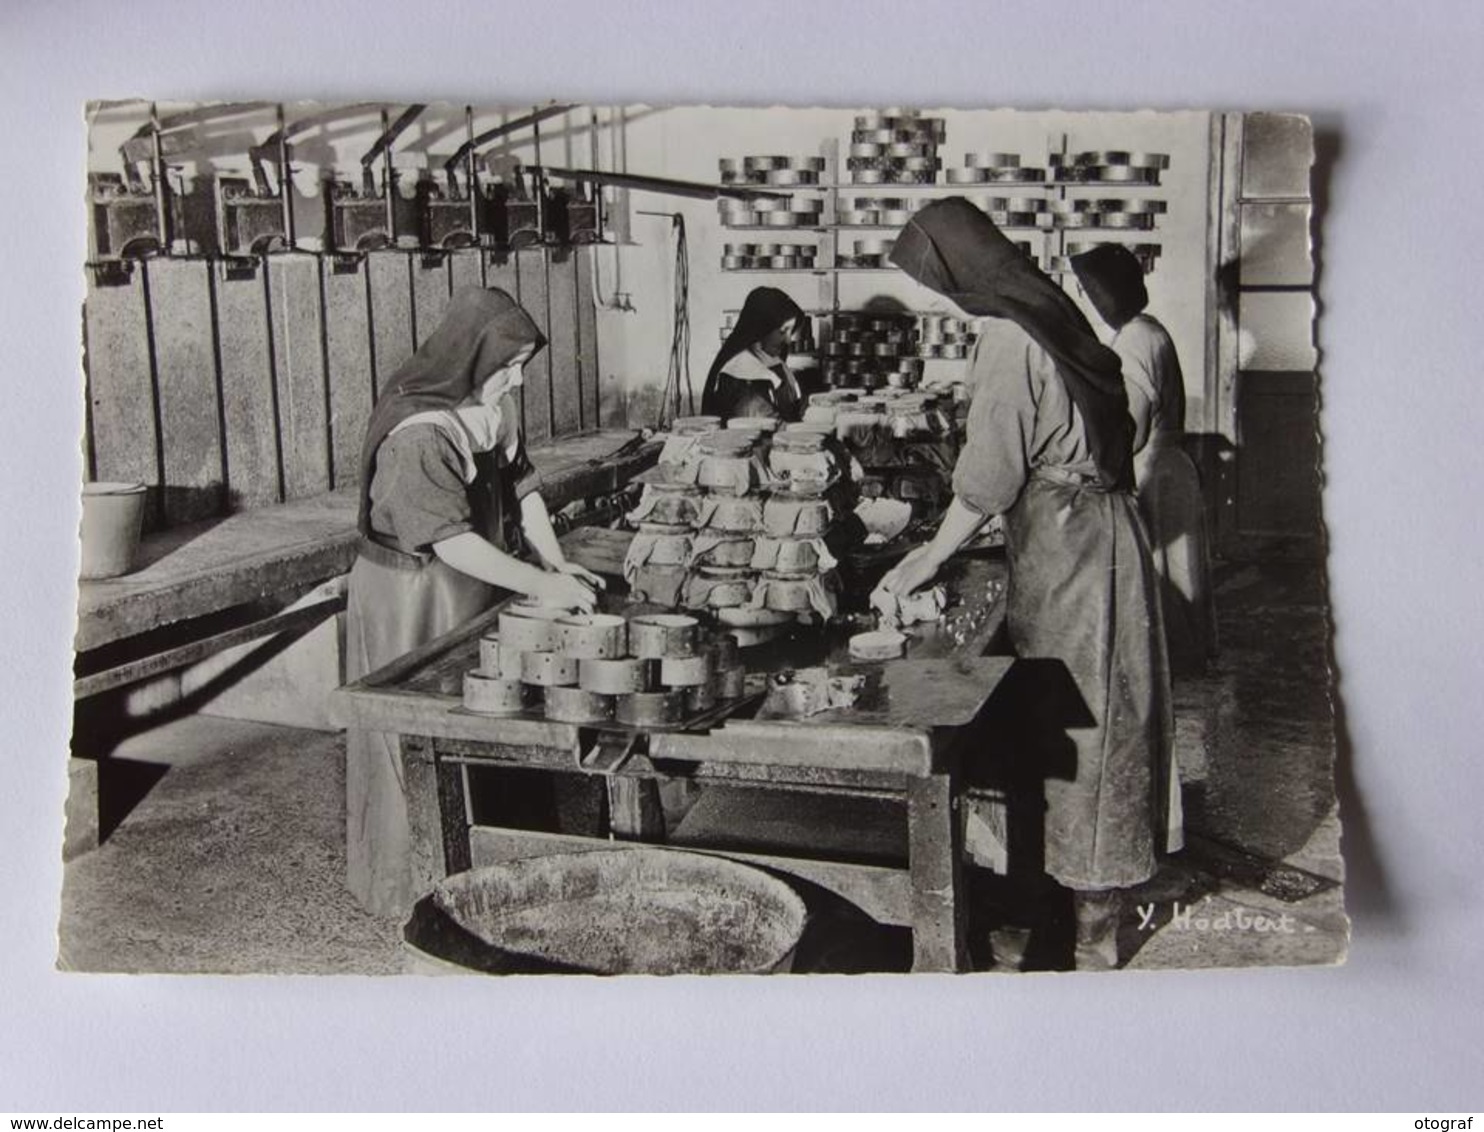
{"points": [[1086, 185], [892, 167], [845, 205], [873, 348]]}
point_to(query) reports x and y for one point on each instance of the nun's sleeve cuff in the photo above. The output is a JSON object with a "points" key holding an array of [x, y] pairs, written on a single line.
{"points": [[527, 479], [445, 532], [971, 503]]}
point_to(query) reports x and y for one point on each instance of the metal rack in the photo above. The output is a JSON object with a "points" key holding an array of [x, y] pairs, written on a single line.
{"points": [[1059, 239]]}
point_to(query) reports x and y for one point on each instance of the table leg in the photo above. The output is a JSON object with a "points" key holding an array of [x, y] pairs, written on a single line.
{"points": [[420, 785], [935, 849], [634, 810], [453, 813]]}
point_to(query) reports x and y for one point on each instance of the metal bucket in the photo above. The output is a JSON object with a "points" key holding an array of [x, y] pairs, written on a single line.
{"points": [[112, 515], [608, 912]]}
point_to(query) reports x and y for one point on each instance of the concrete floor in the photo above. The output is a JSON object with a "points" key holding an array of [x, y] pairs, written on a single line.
{"points": [[230, 855]]}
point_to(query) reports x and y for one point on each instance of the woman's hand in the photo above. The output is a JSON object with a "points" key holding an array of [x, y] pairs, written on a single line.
{"points": [[913, 572], [582, 573], [563, 591]]}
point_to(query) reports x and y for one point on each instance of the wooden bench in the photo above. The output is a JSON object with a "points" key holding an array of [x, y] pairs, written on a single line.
{"points": [[195, 571]]}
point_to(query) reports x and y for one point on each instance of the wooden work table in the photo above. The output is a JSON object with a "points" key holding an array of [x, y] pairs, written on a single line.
{"points": [[902, 745]]}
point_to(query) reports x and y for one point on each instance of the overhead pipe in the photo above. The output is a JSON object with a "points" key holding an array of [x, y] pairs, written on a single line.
{"points": [[162, 204], [285, 183]]}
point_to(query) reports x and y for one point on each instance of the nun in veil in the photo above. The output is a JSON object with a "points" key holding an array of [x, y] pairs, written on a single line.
{"points": [[1050, 448], [449, 500], [749, 377], [1166, 481]]}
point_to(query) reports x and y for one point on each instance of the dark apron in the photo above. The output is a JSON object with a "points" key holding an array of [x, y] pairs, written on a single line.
{"points": [[1082, 590]]}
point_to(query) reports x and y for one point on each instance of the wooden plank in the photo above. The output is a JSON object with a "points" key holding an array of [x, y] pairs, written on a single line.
{"points": [[190, 571], [453, 813], [304, 617], [299, 368], [788, 743], [466, 269], [248, 394], [351, 378], [536, 397], [938, 905], [190, 403], [120, 386], [566, 372], [391, 311], [430, 292], [425, 827], [634, 810], [442, 717], [587, 338]]}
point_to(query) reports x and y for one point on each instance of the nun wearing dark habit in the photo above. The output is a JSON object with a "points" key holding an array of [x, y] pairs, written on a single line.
{"points": [[749, 377], [447, 493], [1165, 478], [1049, 447]]}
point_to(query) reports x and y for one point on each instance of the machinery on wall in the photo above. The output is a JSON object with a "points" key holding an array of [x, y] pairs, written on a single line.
{"points": [[360, 220], [501, 213], [490, 201], [144, 211], [255, 217]]}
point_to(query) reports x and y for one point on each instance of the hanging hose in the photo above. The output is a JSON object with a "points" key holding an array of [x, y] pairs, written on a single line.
{"points": [[679, 371]]}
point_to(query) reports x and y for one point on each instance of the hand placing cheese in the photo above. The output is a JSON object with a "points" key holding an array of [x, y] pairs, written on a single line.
{"points": [[917, 569], [960, 523]]}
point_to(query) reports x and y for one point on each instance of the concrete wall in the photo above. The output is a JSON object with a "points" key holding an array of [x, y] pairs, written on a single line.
{"points": [[228, 390]]}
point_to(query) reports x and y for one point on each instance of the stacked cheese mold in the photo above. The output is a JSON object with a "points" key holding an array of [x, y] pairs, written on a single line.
{"points": [[1110, 167], [780, 209], [771, 172], [732, 522], [993, 168], [783, 212], [650, 670], [895, 147], [873, 350], [904, 441], [769, 257]]}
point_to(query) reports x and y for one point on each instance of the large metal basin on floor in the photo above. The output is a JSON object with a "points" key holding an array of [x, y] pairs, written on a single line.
{"points": [[607, 912]]}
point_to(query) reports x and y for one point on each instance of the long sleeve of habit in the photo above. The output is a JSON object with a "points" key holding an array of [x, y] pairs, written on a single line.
{"points": [[996, 458], [523, 473]]}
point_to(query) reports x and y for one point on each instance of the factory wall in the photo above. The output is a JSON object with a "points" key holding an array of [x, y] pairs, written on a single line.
{"points": [[686, 143], [223, 390], [228, 392]]}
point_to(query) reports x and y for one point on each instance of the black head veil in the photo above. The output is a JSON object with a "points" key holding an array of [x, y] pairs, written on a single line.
{"points": [[955, 249], [766, 309]]}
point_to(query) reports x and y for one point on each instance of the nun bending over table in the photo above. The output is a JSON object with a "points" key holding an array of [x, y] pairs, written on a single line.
{"points": [[448, 496], [1049, 447]]}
